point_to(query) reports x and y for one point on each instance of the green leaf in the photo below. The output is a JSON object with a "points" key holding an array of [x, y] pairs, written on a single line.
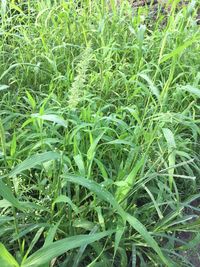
{"points": [[26, 230], [190, 89], [2, 138], [91, 150], [14, 6], [34, 241], [3, 87], [13, 145], [171, 153], [85, 224], [96, 188], [118, 235], [57, 248], [31, 100], [51, 117], [154, 202], [6, 259], [169, 138], [134, 257], [108, 197], [51, 234], [5, 219], [82, 249], [3, 9], [123, 190], [80, 164], [34, 161], [5, 203], [178, 50], [102, 169], [65, 199], [154, 90], [146, 236], [7, 194]]}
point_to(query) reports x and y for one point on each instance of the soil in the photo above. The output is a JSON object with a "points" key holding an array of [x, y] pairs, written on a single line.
{"points": [[166, 8], [192, 255]]}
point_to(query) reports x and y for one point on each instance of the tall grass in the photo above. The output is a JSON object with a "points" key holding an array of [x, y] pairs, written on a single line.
{"points": [[99, 134]]}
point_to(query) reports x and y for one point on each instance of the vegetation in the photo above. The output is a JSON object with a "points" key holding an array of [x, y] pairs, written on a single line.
{"points": [[99, 132]]}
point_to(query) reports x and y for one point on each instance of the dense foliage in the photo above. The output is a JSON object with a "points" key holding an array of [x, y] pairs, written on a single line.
{"points": [[99, 134]]}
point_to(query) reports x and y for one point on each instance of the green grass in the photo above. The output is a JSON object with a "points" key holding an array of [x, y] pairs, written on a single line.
{"points": [[99, 134]]}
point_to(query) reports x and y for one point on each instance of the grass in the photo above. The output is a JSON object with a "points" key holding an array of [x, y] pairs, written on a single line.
{"points": [[99, 134]]}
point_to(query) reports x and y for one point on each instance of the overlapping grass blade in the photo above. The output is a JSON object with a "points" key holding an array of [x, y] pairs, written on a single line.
{"points": [[6, 259], [57, 248], [108, 197], [34, 161]]}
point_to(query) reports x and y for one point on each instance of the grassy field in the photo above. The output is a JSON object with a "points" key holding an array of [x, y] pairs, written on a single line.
{"points": [[99, 134]]}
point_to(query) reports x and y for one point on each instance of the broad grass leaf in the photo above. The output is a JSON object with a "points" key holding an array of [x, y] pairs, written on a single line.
{"points": [[147, 237], [169, 136], [32, 205], [7, 194], [34, 161], [17, 8], [57, 248], [120, 142], [118, 235], [6, 259], [34, 241], [178, 50], [82, 249], [29, 229], [102, 168], [80, 164], [182, 221], [51, 117], [140, 34], [3, 87], [95, 188], [92, 148], [5, 203], [154, 90], [171, 153], [108, 197], [190, 89], [29, 163], [51, 234], [123, 190], [3, 8], [31, 100], [5, 219], [84, 224]]}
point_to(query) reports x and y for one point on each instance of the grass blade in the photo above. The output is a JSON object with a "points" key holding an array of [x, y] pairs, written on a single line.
{"points": [[34, 161], [51, 117], [178, 50], [6, 259], [57, 248], [190, 89], [3, 87], [154, 90], [171, 153], [7, 194], [108, 197]]}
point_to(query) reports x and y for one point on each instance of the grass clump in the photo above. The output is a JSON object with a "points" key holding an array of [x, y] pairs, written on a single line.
{"points": [[99, 132]]}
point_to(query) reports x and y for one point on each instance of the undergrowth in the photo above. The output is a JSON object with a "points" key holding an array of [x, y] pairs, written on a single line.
{"points": [[99, 134]]}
